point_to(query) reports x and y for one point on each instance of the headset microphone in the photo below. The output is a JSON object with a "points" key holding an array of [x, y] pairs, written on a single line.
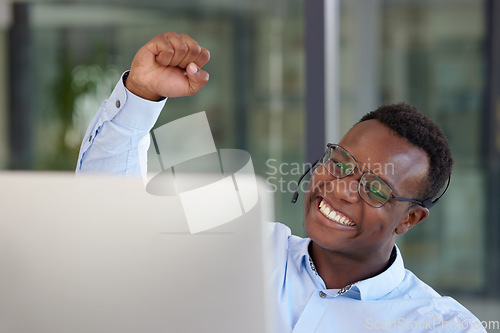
{"points": [[296, 193]]}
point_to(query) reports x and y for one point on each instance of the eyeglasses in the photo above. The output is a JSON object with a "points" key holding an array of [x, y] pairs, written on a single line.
{"points": [[371, 188]]}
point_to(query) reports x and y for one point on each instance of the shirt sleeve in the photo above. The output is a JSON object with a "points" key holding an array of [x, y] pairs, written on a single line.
{"points": [[117, 139]]}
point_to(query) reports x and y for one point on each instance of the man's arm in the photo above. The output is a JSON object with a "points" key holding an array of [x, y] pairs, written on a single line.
{"points": [[117, 139]]}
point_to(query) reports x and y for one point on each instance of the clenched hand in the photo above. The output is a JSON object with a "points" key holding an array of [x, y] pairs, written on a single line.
{"points": [[169, 65]]}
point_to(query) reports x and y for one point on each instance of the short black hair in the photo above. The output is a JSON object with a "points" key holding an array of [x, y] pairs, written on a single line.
{"points": [[408, 122]]}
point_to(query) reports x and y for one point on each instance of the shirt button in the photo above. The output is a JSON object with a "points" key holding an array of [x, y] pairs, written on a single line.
{"points": [[322, 294], [117, 103]]}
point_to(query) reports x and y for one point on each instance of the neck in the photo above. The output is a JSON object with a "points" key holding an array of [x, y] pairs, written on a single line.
{"points": [[338, 270]]}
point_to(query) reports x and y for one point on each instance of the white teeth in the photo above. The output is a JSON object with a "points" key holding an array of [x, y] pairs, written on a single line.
{"points": [[333, 215]]}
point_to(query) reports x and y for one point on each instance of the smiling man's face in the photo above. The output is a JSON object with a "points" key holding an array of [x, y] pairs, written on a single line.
{"points": [[355, 229]]}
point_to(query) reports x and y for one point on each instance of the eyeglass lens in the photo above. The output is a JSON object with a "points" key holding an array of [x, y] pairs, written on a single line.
{"points": [[371, 188]]}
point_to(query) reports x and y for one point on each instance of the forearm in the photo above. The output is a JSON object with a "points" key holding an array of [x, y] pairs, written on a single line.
{"points": [[117, 139]]}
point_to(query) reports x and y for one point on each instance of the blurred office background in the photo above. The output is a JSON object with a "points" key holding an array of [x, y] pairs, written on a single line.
{"points": [[286, 76]]}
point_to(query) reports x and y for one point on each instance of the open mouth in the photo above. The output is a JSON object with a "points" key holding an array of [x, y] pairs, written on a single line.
{"points": [[333, 215]]}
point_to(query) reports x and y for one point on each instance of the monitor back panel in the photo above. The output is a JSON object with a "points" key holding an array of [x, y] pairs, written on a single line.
{"points": [[95, 254]]}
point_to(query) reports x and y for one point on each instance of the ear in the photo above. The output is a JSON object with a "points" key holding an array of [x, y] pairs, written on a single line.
{"points": [[414, 216]]}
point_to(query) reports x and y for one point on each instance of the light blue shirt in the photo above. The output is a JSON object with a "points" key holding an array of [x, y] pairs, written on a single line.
{"points": [[394, 301], [117, 139]]}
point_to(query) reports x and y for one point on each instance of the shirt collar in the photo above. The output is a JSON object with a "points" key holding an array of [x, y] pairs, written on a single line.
{"points": [[300, 256], [369, 289], [383, 283]]}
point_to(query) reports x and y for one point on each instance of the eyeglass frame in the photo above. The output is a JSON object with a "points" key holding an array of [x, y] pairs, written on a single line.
{"points": [[427, 203]]}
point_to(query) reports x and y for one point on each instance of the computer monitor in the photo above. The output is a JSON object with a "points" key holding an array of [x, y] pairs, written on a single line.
{"points": [[101, 254]]}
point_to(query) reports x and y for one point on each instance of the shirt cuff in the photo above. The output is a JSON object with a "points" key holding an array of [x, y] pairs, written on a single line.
{"points": [[129, 110]]}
